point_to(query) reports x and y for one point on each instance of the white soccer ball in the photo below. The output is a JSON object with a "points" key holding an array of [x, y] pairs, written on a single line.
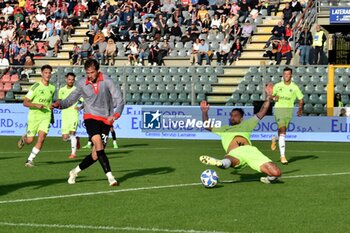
{"points": [[209, 178]]}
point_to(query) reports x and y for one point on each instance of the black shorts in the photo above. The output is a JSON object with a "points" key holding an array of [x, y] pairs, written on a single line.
{"points": [[94, 127]]}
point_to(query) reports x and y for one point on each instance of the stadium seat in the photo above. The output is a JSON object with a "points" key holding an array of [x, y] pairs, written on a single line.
{"points": [[219, 70], [347, 90], [133, 88], [188, 88], [304, 80], [172, 96], [182, 70], [154, 97], [259, 88], [163, 96], [207, 88], [300, 70], [255, 97], [276, 78], [200, 70], [213, 79], [253, 70], [220, 37], [339, 88], [176, 79], [209, 70], [145, 96], [167, 79], [198, 88], [271, 70], [6, 78], [214, 45], [140, 79], [319, 108], [182, 53], [308, 108], [149, 79], [179, 45], [128, 97], [344, 79], [244, 98], [9, 95], [164, 70], [158, 79], [185, 79], [313, 99], [345, 99], [310, 70], [173, 53], [14, 78], [161, 87], [320, 89], [235, 97], [182, 97], [136, 97], [155, 70], [152, 87], [250, 88], [211, 37], [173, 70], [179, 87], [321, 71], [16, 87], [203, 79], [323, 99], [2, 95], [188, 45], [131, 79], [339, 71], [256, 79], [157, 103], [199, 97], [7, 86], [309, 89]]}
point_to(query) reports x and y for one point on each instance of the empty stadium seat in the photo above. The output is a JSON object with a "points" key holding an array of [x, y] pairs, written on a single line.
{"points": [[313, 98], [14, 78], [151, 87], [136, 97], [2, 95], [6, 78], [182, 97], [163, 96], [154, 97], [182, 70], [308, 108], [172, 97], [133, 88], [179, 87], [149, 79], [1, 86], [140, 79], [339, 88], [16, 87], [7, 86], [309, 89], [319, 89], [244, 98], [145, 96], [161, 87], [176, 79], [9, 95], [131, 79]]}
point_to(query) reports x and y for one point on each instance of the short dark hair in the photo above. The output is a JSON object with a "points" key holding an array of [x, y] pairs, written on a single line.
{"points": [[241, 112], [70, 74], [91, 63], [46, 67], [288, 69]]}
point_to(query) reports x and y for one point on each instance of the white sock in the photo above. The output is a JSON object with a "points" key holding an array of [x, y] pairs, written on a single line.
{"points": [[73, 142], [109, 175], [114, 142], [282, 144], [77, 169], [33, 154], [226, 163], [89, 143]]}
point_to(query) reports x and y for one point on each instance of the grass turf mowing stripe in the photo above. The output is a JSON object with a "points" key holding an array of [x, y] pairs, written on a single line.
{"points": [[106, 228], [154, 187]]}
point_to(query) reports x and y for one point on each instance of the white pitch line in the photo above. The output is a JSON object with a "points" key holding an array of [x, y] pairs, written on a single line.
{"points": [[97, 193], [150, 188], [106, 228]]}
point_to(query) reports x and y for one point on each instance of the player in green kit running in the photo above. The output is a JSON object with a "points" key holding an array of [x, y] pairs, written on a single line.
{"points": [[70, 116], [285, 93], [235, 139], [38, 100]]}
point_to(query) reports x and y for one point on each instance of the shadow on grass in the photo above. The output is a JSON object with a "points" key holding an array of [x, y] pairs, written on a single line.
{"points": [[10, 157], [296, 158], [134, 145], [38, 184], [144, 172]]}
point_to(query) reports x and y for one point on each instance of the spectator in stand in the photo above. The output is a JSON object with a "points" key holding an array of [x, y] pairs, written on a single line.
{"points": [[235, 31], [167, 8], [175, 31], [126, 14], [278, 32], [100, 49], [215, 24], [288, 15], [230, 21], [67, 29], [143, 51], [186, 37], [305, 41], [226, 7], [85, 50], [288, 32], [99, 36], [92, 7], [234, 11], [7, 11], [224, 26], [177, 16], [206, 24], [4, 64], [149, 10], [194, 32], [164, 50], [296, 7], [135, 37], [194, 53], [74, 54], [223, 52], [43, 31], [79, 11], [203, 52], [337, 100], [202, 13], [58, 26], [21, 33], [284, 50], [145, 29], [244, 10], [126, 28], [110, 52], [153, 54], [54, 43], [247, 31], [235, 51], [318, 43], [102, 18], [271, 52], [132, 56], [40, 16], [162, 27]]}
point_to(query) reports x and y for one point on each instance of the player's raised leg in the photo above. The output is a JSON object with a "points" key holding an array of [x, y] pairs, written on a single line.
{"points": [[226, 162], [88, 144]]}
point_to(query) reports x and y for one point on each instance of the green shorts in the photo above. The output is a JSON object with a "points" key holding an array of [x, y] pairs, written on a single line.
{"points": [[69, 123], [38, 122], [283, 116], [249, 156]]}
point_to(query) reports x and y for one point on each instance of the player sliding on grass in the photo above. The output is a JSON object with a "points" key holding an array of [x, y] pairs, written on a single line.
{"points": [[285, 93], [38, 100], [103, 104], [236, 142], [70, 116]]}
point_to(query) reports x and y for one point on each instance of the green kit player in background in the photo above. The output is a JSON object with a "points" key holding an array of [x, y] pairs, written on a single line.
{"points": [[235, 139], [285, 93], [70, 116], [38, 100]]}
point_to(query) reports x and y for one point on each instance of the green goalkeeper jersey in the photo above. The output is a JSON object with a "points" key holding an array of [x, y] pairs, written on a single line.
{"points": [[244, 129], [41, 94], [63, 93], [286, 94]]}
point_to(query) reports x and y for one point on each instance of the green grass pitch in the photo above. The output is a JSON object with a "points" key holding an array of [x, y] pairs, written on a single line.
{"points": [[160, 190]]}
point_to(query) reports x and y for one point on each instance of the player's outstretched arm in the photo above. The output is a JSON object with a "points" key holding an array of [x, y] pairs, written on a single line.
{"points": [[205, 108], [27, 103], [266, 105]]}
